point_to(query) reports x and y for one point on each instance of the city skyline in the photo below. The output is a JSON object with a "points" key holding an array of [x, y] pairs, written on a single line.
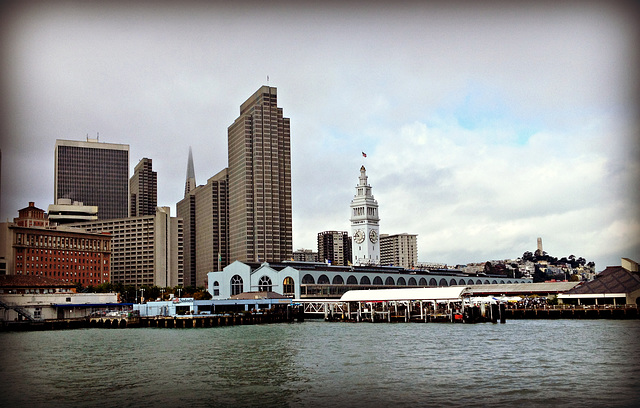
{"points": [[485, 127]]}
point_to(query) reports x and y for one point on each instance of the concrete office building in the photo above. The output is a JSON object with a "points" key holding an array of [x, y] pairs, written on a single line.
{"points": [[399, 250], [93, 173], [305, 255], [260, 219], [143, 188], [67, 212], [334, 247], [146, 250]]}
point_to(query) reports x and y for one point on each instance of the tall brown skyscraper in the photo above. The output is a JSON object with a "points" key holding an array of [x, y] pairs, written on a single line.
{"points": [[143, 189], [260, 221]]}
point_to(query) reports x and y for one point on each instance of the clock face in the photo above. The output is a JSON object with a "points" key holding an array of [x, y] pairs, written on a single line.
{"points": [[359, 236], [373, 236]]}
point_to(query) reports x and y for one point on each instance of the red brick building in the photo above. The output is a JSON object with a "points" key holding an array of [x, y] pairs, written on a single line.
{"points": [[66, 254]]}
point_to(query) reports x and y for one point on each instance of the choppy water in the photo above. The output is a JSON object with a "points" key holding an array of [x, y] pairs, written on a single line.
{"points": [[570, 363]]}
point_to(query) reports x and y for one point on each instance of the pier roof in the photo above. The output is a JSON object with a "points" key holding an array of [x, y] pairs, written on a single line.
{"points": [[540, 288], [614, 279], [441, 293]]}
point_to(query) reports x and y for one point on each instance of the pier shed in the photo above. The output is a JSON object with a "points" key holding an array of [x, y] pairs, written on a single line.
{"points": [[410, 303], [614, 286]]}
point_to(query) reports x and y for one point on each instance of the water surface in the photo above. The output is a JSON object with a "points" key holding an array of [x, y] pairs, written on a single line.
{"points": [[571, 363]]}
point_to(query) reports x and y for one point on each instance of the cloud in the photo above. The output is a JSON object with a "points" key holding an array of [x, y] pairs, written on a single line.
{"points": [[485, 125]]}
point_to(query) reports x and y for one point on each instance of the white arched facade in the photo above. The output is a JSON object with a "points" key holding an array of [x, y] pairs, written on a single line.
{"points": [[287, 281]]}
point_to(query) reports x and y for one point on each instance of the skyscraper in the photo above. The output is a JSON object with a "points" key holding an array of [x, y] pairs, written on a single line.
{"points": [[93, 173], [190, 184], [186, 209], [364, 224], [399, 250], [143, 186], [334, 247], [212, 228], [260, 220]]}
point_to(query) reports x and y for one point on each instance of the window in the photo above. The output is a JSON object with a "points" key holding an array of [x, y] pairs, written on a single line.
{"points": [[402, 281], [351, 280], [365, 280], [308, 279], [389, 281], [216, 288], [236, 285], [323, 280], [377, 280], [264, 284], [337, 280], [287, 286]]}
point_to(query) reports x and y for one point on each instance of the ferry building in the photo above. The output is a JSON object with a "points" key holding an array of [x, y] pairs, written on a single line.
{"points": [[309, 280]]}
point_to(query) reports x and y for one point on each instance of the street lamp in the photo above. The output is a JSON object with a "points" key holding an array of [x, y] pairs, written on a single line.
{"points": [[179, 290], [162, 294], [141, 295]]}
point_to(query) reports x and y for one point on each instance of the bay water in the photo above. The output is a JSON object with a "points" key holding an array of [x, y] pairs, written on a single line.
{"points": [[569, 363]]}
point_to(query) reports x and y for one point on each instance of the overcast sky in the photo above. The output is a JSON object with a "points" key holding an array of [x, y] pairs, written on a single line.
{"points": [[484, 126]]}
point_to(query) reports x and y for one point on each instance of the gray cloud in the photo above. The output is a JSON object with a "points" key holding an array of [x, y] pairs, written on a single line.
{"points": [[486, 126]]}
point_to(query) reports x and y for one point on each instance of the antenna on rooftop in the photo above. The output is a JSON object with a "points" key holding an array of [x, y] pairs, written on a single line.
{"points": [[267, 80]]}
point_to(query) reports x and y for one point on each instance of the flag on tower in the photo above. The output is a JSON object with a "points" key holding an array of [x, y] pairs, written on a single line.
{"points": [[364, 154]]}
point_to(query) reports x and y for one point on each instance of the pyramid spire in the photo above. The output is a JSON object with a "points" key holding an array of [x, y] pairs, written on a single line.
{"points": [[190, 184]]}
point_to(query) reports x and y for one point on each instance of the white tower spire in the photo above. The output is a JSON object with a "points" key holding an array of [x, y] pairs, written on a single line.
{"points": [[365, 228]]}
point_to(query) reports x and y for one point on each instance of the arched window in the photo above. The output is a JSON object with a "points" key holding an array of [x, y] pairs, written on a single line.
{"points": [[323, 280], [264, 284], [412, 282], [402, 282], [351, 280], [365, 280], [470, 282], [337, 280], [216, 288], [494, 282], [308, 279], [486, 282], [288, 287], [422, 282], [236, 285], [377, 280], [389, 281], [452, 282], [462, 282], [478, 282], [443, 282], [432, 282]]}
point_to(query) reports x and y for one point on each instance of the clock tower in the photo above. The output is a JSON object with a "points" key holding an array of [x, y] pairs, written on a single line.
{"points": [[364, 224]]}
